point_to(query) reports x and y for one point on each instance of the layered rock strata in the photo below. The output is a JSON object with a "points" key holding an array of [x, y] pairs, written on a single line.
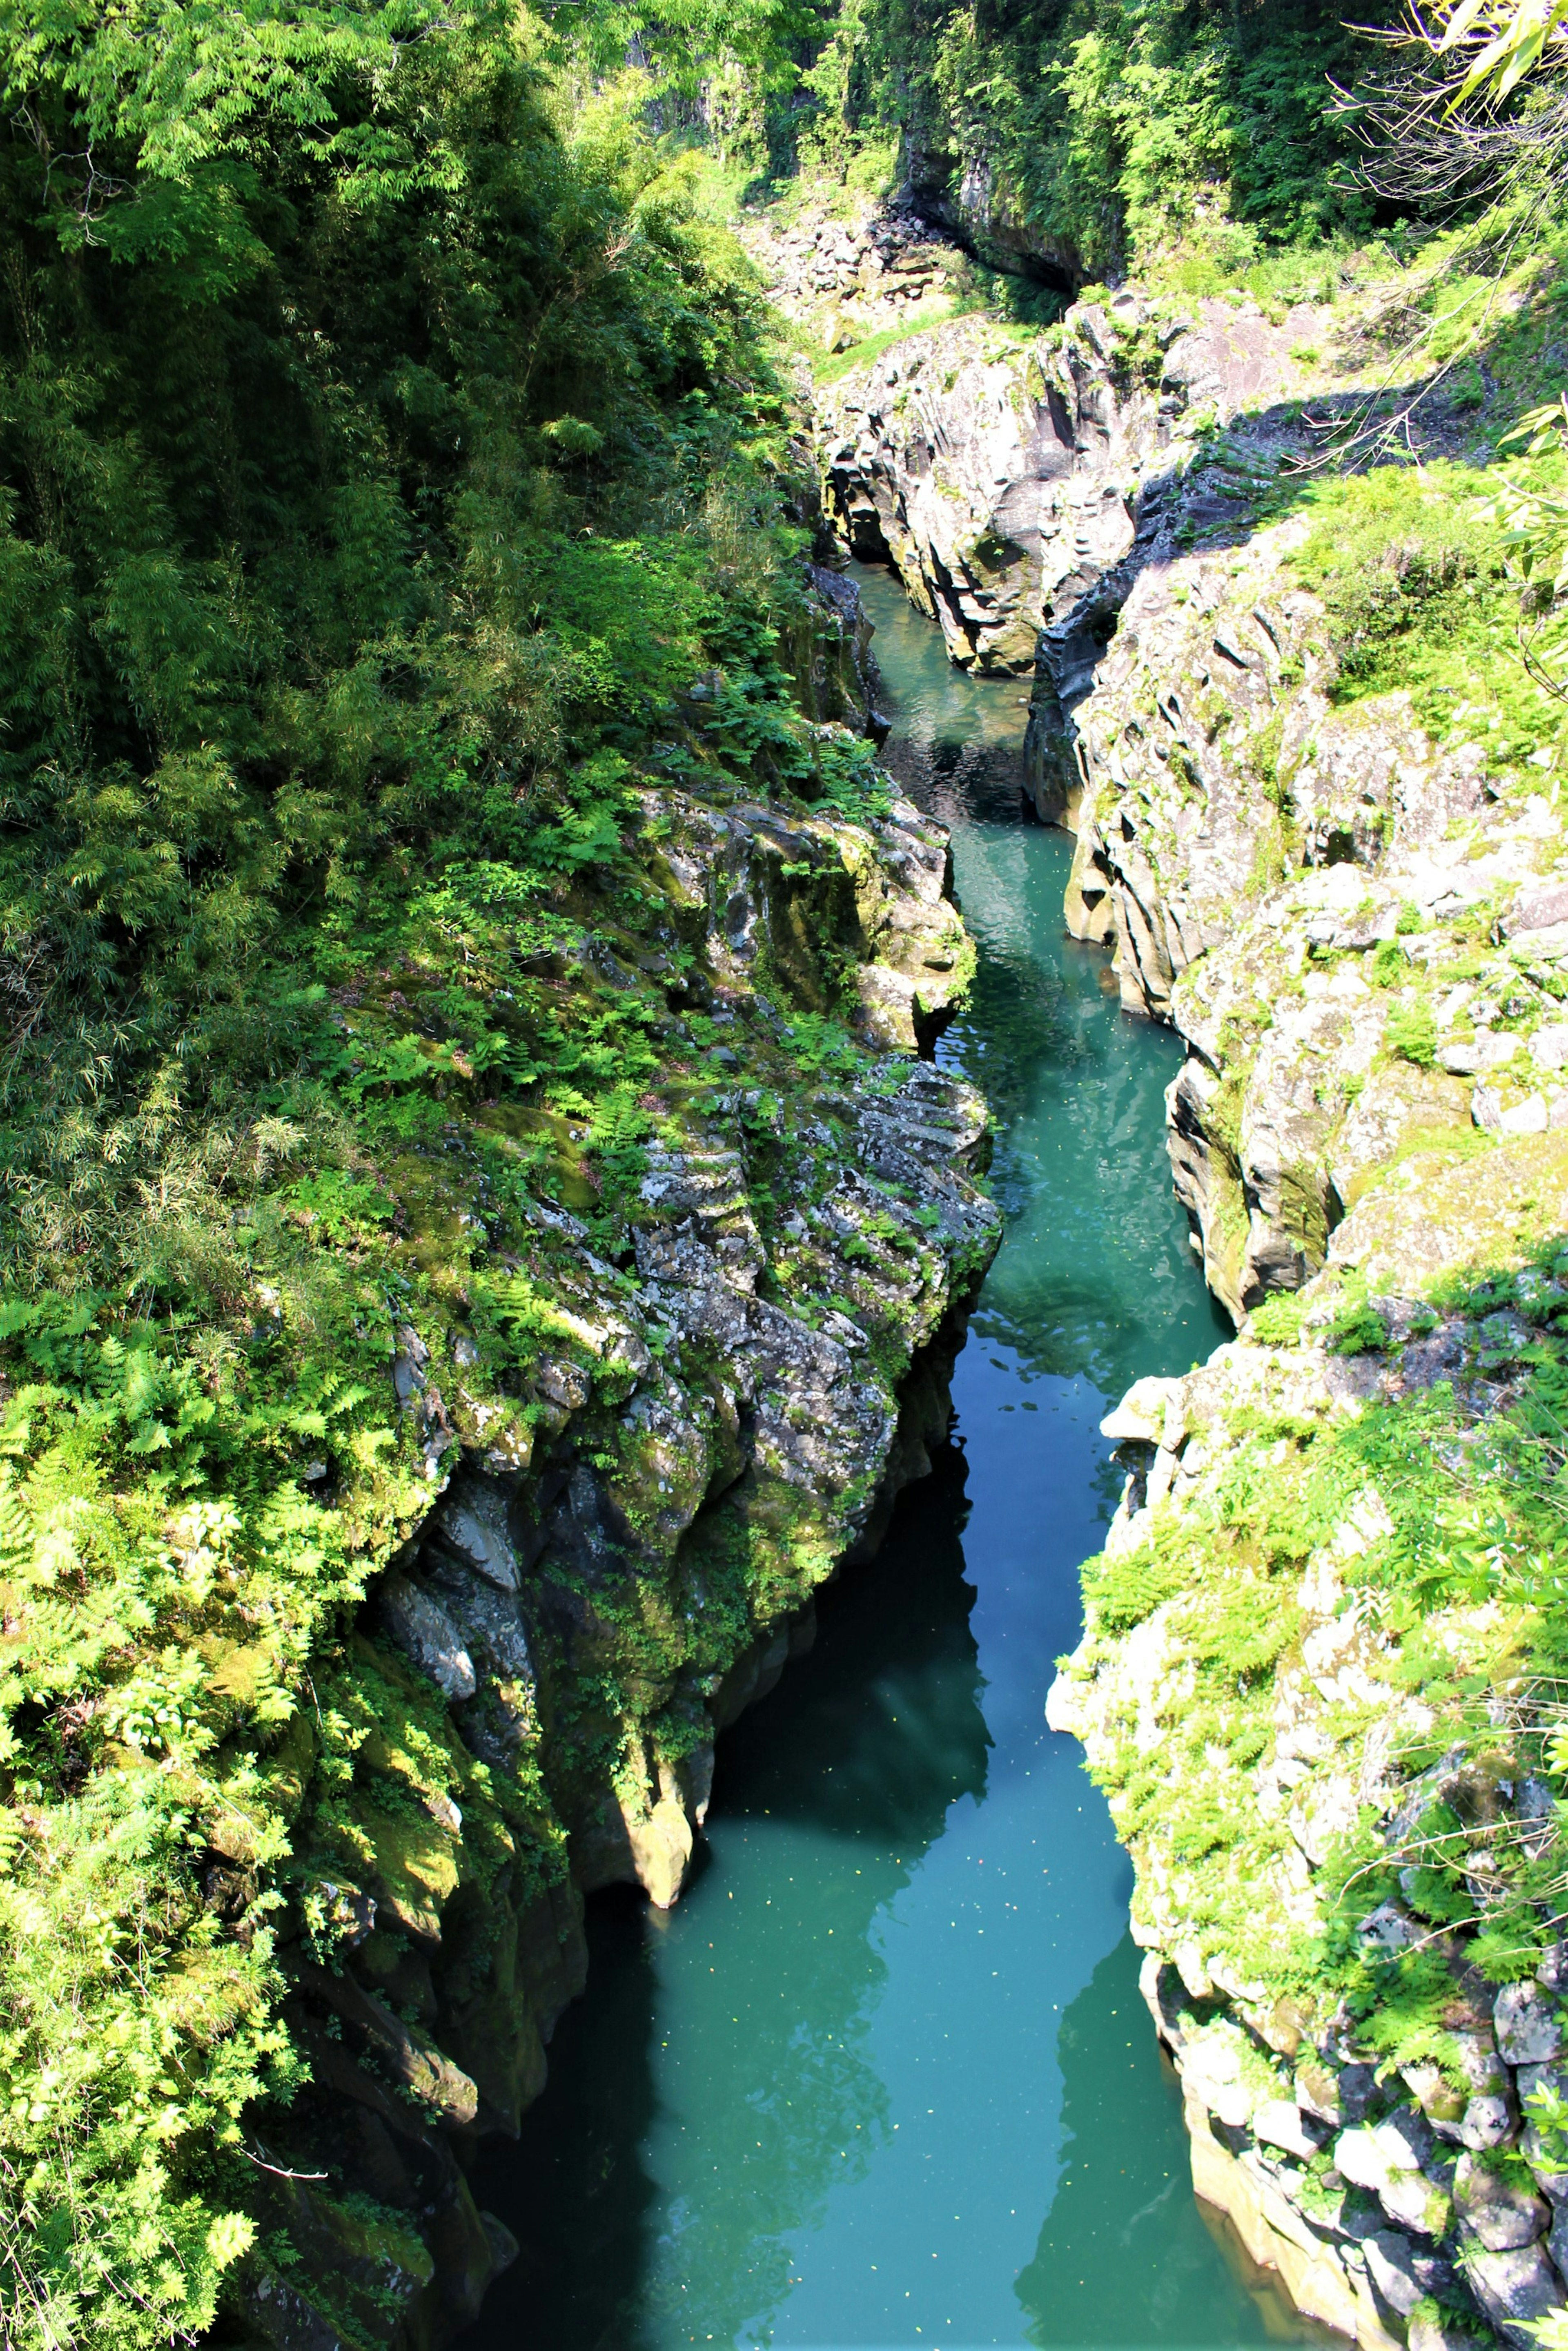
{"points": [[725, 1384], [1017, 480], [1288, 879], [1330, 1748]]}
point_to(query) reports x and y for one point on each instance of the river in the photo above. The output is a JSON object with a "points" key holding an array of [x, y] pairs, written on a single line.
{"points": [[883, 2078]]}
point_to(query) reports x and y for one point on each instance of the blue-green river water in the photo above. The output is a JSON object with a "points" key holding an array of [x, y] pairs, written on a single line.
{"points": [[883, 2077]]}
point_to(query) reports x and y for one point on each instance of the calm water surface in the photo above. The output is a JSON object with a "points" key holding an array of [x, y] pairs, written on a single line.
{"points": [[883, 2078]]}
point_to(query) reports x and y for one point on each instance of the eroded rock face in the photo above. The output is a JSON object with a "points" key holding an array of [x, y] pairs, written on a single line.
{"points": [[1372, 2188], [620, 1555], [992, 474], [1250, 849], [970, 200], [1361, 934], [1018, 481]]}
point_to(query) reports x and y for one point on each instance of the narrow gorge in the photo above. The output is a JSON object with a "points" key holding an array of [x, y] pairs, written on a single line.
{"points": [[784, 1177], [1318, 1678]]}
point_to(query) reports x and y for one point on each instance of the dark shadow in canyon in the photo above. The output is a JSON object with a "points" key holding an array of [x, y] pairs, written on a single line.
{"points": [[870, 1739]]}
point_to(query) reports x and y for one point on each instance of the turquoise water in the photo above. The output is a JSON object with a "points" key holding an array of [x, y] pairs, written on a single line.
{"points": [[883, 2078]]}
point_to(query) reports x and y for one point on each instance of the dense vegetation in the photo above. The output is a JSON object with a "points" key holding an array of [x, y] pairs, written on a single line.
{"points": [[377, 461], [388, 440], [1095, 136]]}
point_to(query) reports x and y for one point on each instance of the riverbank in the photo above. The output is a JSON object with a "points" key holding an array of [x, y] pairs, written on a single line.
{"points": [[1313, 788]]}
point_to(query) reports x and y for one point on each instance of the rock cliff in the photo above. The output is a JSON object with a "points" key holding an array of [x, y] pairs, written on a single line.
{"points": [[718, 1388], [1016, 480], [844, 275], [1320, 1676], [1333, 1759]]}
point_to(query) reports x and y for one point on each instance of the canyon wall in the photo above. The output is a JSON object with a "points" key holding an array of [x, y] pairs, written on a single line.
{"points": [[1315, 796], [721, 1398], [1319, 1676], [1019, 479]]}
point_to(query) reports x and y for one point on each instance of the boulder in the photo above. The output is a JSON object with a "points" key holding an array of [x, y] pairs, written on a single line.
{"points": [[1495, 2208], [1514, 2288], [422, 1628], [1528, 2027], [1391, 2265]]}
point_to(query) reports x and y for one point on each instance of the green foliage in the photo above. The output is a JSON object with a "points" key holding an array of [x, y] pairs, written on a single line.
{"points": [[1447, 1533], [388, 454], [1277, 1323], [1398, 552], [1123, 1590], [1110, 134], [1410, 1033]]}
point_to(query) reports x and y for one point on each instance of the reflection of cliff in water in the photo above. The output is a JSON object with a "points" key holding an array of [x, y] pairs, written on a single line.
{"points": [[956, 746], [882, 1730], [715, 2080], [1124, 2255]]}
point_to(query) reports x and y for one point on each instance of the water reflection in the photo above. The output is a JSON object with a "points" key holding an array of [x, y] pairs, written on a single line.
{"points": [[1117, 2259], [649, 2219], [826, 2102], [956, 744]]}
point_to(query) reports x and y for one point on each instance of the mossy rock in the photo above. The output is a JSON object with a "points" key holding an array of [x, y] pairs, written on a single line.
{"points": [[1438, 1211]]}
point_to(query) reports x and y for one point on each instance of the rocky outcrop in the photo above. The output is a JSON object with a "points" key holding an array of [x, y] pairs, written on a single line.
{"points": [[714, 1394], [1386, 2159], [1018, 482], [844, 274], [1288, 878], [1331, 1751]]}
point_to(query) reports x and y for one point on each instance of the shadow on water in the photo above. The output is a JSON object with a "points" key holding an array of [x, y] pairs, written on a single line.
{"points": [[1118, 2260], [823, 2104], [867, 1741]]}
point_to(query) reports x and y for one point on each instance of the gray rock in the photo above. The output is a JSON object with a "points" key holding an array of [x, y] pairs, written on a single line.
{"points": [[1387, 1929], [1437, 2331], [1529, 2031], [1489, 2121], [1557, 2239], [424, 1632], [1484, 1052], [1427, 1361], [1513, 2288], [1554, 1970], [1496, 2211], [1390, 2263], [1278, 2122], [489, 1623], [471, 1521], [1536, 910], [1387, 2157]]}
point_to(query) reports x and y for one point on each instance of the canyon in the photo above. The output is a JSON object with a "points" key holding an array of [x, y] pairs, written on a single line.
{"points": [[1353, 918]]}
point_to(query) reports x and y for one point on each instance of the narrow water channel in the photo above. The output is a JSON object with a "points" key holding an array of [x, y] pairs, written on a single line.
{"points": [[884, 2078]]}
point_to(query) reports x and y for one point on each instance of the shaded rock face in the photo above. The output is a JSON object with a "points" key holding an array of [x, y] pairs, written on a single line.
{"points": [[969, 200], [838, 667], [1017, 482], [607, 1576]]}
